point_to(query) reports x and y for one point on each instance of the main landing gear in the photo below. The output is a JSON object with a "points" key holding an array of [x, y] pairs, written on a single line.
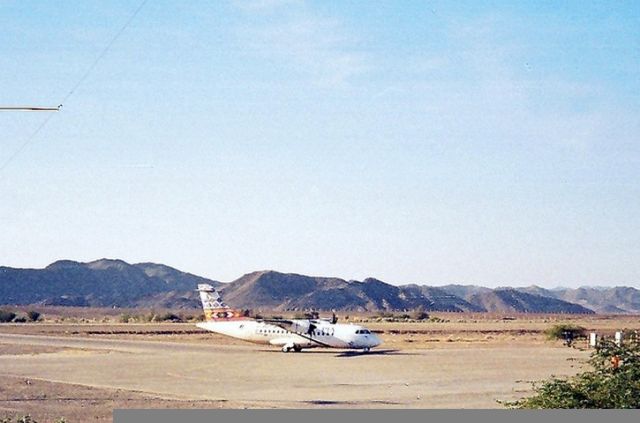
{"points": [[288, 348], [366, 349]]}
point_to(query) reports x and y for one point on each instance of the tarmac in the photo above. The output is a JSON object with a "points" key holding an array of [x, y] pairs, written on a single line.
{"points": [[251, 375]]}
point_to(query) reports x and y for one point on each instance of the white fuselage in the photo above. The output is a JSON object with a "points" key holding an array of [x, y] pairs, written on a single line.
{"points": [[325, 334]]}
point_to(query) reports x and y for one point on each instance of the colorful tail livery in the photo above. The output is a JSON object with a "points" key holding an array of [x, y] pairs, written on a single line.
{"points": [[289, 334], [214, 308]]}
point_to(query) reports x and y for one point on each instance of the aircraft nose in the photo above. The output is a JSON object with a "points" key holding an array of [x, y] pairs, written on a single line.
{"points": [[375, 341]]}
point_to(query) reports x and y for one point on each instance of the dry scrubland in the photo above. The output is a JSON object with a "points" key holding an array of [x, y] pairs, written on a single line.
{"points": [[87, 364]]}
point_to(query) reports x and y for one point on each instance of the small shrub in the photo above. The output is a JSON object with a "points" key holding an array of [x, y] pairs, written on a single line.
{"points": [[419, 314], [6, 316], [20, 319], [195, 317], [125, 318], [169, 317], [33, 315], [564, 331]]}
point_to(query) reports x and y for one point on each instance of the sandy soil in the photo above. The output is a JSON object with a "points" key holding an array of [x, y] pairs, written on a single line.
{"points": [[83, 371], [48, 401]]}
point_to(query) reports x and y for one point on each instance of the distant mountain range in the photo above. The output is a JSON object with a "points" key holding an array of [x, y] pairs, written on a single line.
{"points": [[115, 283]]}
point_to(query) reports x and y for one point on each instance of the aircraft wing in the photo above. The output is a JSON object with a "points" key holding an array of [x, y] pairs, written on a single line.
{"points": [[277, 322], [303, 328], [299, 326]]}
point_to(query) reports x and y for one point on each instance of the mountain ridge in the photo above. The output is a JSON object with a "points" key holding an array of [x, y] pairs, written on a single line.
{"points": [[116, 283]]}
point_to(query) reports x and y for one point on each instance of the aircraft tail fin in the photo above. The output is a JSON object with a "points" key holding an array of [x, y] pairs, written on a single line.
{"points": [[213, 306]]}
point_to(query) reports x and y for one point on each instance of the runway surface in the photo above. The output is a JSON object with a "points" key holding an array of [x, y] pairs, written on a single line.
{"points": [[259, 376]]}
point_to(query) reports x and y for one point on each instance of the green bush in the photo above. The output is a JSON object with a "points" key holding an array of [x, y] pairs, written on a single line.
{"points": [[125, 318], [605, 386], [197, 317], [33, 315], [419, 314], [168, 317], [388, 316], [560, 331], [6, 316]]}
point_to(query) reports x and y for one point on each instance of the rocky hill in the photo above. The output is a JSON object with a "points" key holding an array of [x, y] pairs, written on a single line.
{"points": [[280, 291], [115, 283], [610, 300], [98, 283], [436, 299], [512, 300]]}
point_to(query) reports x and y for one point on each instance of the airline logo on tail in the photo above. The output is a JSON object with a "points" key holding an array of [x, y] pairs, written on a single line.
{"points": [[214, 307]]}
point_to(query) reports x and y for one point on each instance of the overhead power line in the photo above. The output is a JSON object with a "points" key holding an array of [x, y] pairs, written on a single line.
{"points": [[104, 51], [29, 109], [74, 87]]}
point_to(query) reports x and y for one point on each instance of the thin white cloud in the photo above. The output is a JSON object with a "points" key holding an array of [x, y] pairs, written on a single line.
{"points": [[480, 89], [298, 38], [263, 5]]}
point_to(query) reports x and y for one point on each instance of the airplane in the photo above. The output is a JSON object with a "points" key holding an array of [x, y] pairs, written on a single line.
{"points": [[289, 334]]}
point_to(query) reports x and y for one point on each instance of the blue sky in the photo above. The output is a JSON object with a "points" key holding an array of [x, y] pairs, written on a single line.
{"points": [[417, 142]]}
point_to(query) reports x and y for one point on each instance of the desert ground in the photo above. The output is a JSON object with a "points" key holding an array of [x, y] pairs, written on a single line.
{"points": [[82, 371]]}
